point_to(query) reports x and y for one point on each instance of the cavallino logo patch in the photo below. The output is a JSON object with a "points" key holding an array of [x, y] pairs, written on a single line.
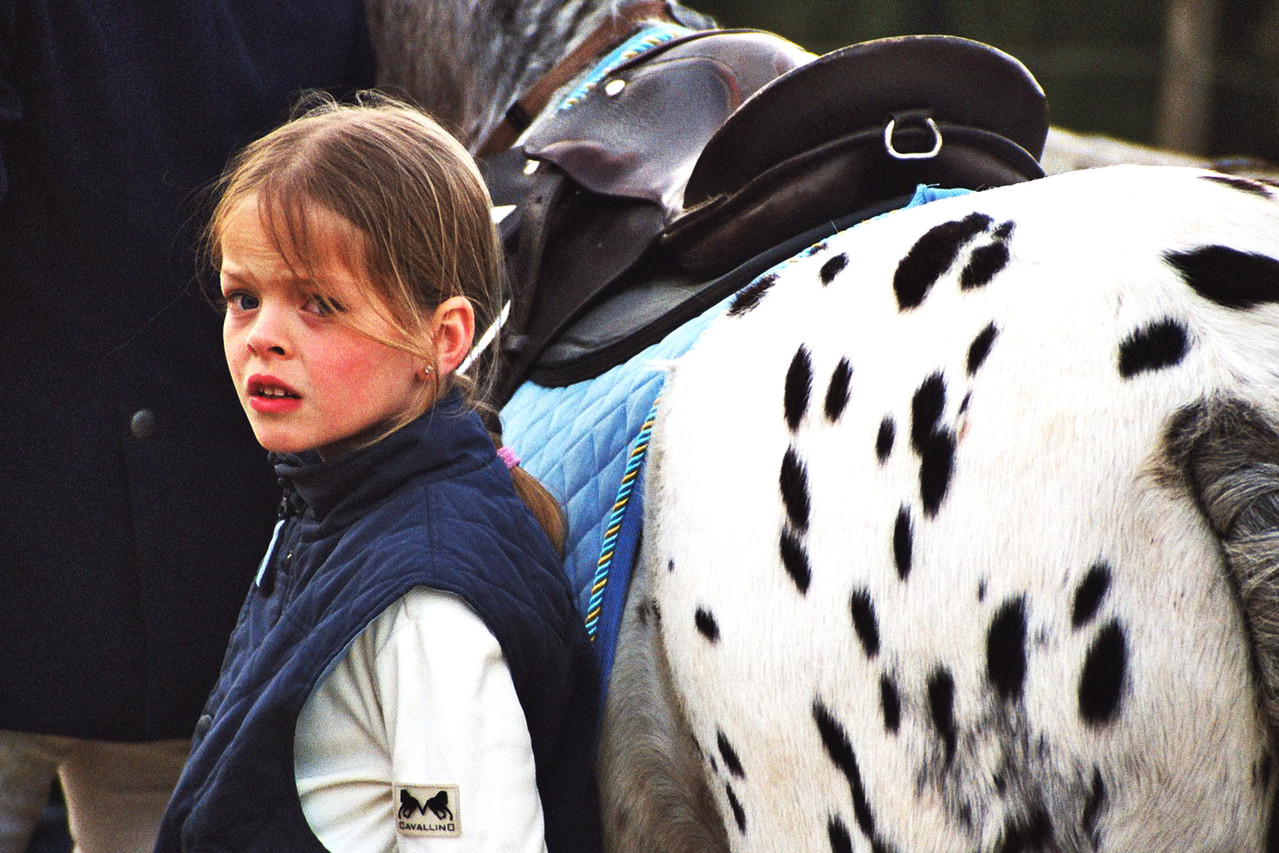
{"points": [[431, 811]]}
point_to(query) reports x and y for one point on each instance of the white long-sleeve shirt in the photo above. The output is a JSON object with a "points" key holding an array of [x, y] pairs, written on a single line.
{"points": [[422, 703]]}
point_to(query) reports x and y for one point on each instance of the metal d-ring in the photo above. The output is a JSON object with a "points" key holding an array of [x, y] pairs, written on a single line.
{"points": [[911, 155]]}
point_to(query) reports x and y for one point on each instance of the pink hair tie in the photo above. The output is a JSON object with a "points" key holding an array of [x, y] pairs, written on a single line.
{"points": [[507, 455]]}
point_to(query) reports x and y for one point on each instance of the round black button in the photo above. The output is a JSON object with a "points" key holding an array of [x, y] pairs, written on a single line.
{"points": [[143, 423]]}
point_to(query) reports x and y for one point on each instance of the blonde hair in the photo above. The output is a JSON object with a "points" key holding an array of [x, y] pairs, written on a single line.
{"points": [[419, 217]]}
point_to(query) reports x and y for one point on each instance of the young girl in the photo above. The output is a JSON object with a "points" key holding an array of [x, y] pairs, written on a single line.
{"points": [[409, 671]]}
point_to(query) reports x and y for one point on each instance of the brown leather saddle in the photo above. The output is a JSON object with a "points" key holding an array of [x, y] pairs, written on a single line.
{"points": [[696, 166]]}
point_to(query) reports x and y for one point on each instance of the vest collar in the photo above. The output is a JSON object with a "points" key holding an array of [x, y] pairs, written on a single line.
{"points": [[445, 441]]}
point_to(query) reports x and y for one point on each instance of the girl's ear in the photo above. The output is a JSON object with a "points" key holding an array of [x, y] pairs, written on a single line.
{"points": [[452, 332]]}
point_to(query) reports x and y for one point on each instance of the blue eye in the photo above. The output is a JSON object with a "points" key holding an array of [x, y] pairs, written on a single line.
{"points": [[240, 301]]}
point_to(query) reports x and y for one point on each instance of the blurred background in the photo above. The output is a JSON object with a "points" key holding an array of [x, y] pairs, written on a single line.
{"points": [[1196, 76]]}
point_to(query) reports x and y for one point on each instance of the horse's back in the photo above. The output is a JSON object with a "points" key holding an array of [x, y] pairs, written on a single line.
{"points": [[933, 567]]}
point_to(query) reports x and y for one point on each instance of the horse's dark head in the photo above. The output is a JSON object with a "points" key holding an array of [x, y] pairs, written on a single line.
{"points": [[466, 61]]}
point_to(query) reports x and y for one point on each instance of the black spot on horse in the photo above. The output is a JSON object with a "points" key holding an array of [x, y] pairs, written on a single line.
{"points": [[1005, 230], [837, 391], [980, 348], [890, 703], [941, 705], [840, 750], [1006, 649], [833, 267], [1242, 184], [739, 813], [794, 486], [935, 446], [1159, 345], [706, 624], [884, 440], [750, 295], [799, 384], [1089, 594], [902, 542], [983, 265], [926, 408], [931, 256], [864, 621], [937, 461], [670, 565], [1029, 833], [795, 560], [1102, 681], [1227, 276], [726, 751], [840, 840], [1092, 806]]}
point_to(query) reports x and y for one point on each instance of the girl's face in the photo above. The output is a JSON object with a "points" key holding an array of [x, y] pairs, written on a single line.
{"points": [[305, 377]]}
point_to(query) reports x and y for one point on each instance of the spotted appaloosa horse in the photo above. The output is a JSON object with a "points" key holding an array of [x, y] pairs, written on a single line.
{"points": [[962, 535], [960, 528]]}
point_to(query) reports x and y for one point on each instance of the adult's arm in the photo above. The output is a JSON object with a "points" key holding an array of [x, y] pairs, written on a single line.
{"points": [[10, 106]]}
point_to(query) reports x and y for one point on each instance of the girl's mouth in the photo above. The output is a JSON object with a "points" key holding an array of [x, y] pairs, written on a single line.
{"points": [[271, 396], [272, 392]]}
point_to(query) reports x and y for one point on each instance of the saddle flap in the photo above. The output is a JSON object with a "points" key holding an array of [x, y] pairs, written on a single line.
{"points": [[639, 131], [611, 170]]}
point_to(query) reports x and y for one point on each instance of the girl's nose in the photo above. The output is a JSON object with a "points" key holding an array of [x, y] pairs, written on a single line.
{"points": [[268, 334]]}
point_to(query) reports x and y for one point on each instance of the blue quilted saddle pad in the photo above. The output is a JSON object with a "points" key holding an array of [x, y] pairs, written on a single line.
{"points": [[576, 440]]}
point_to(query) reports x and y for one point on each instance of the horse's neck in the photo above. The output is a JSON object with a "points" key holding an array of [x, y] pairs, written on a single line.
{"points": [[467, 60]]}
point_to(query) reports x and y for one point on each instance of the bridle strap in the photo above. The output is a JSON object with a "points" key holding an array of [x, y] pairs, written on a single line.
{"points": [[615, 28]]}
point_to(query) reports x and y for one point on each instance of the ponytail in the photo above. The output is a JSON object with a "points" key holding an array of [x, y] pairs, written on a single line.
{"points": [[540, 502]]}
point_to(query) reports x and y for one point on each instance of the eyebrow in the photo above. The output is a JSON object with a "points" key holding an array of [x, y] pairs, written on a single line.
{"points": [[302, 283]]}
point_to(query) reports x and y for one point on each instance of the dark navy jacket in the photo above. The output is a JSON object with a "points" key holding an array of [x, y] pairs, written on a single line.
{"points": [[429, 505], [134, 502]]}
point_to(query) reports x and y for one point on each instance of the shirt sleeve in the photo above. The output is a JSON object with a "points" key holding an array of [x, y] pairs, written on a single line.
{"points": [[416, 741]]}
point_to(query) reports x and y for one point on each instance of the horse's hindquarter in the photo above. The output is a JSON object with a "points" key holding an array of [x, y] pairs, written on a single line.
{"points": [[926, 574]]}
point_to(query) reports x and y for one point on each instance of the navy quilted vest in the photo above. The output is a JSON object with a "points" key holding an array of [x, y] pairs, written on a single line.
{"points": [[430, 505]]}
